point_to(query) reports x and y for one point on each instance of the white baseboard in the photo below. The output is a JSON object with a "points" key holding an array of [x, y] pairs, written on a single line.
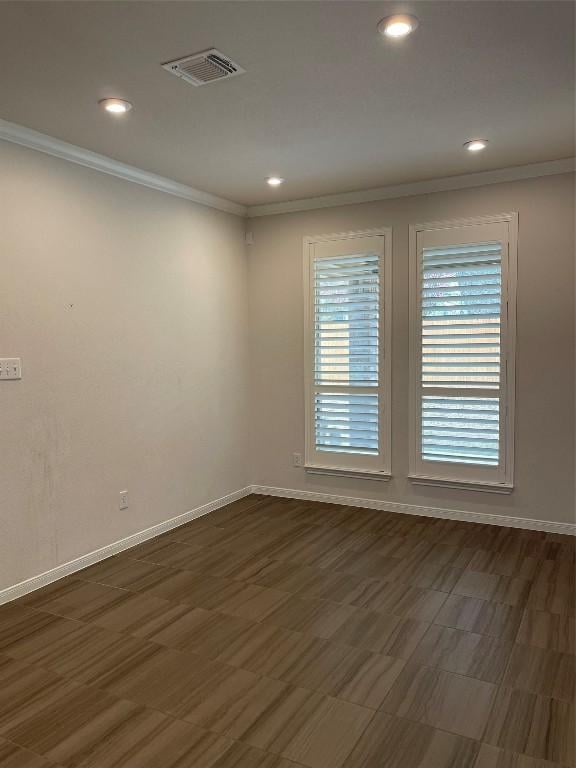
{"points": [[506, 521], [43, 579], [65, 569]]}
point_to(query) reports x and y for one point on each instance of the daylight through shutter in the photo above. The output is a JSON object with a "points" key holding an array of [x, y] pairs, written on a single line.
{"points": [[461, 297], [346, 348]]}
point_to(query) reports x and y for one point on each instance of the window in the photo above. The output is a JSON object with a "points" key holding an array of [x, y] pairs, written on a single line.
{"points": [[462, 351], [347, 281]]}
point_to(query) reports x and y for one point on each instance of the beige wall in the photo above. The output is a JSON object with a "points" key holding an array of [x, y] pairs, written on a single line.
{"points": [[128, 308], [545, 350], [132, 315]]}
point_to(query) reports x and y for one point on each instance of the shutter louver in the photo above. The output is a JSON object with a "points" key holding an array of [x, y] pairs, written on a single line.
{"points": [[461, 429], [346, 315], [461, 304], [461, 298], [346, 423], [346, 309]]}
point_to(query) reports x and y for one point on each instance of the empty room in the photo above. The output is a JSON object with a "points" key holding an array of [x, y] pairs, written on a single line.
{"points": [[287, 384]]}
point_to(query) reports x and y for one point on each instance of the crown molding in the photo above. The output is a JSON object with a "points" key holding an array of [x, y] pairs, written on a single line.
{"points": [[41, 142], [447, 184]]}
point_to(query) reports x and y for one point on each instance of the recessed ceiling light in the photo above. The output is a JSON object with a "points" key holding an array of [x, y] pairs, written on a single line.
{"points": [[115, 106], [275, 181], [476, 145], [397, 26]]}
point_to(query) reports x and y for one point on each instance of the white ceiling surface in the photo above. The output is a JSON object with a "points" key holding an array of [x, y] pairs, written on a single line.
{"points": [[326, 102]]}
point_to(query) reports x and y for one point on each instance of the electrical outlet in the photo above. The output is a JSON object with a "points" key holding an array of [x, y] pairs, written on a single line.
{"points": [[123, 500], [297, 460]]}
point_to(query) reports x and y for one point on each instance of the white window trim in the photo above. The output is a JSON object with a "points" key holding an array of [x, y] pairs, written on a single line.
{"points": [[384, 388], [507, 391]]}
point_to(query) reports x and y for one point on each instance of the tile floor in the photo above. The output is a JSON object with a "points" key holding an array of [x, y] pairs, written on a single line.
{"points": [[276, 633]]}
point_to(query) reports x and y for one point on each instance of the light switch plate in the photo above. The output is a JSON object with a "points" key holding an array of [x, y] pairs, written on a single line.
{"points": [[10, 368]]}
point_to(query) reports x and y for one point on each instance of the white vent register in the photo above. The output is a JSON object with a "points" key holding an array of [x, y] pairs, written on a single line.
{"points": [[204, 67]]}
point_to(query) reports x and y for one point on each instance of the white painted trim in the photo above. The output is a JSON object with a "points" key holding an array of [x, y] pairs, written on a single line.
{"points": [[459, 484], [450, 183], [317, 469], [378, 466], [41, 142], [501, 478], [568, 529], [72, 566], [337, 236], [470, 221]]}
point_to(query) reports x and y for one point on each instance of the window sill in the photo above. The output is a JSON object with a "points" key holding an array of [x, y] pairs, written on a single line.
{"points": [[465, 485], [364, 474]]}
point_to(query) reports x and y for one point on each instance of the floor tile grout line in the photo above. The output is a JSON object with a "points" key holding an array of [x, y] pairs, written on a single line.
{"points": [[184, 654], [51, 763], [170, 537], [261, 676], [299, 594], [410, 659], [344, 573], [173, 718], [138, 705], [263, 620], [233, 668]]}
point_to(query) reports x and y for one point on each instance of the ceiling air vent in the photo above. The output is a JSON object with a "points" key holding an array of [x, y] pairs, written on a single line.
{"points": [[204, 67]]}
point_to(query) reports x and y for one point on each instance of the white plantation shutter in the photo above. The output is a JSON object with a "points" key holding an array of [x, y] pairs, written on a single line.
{"points": [[345, 423], [461, 295], [346, 365], [461, 430], [461, 374], [461, 299]]}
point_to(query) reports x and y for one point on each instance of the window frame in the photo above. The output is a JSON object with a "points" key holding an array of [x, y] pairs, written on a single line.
{"points": [[354, 465], [496, 479]]}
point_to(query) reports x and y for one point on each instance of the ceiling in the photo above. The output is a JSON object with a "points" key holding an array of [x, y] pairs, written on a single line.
{"points": [[326, 102]]}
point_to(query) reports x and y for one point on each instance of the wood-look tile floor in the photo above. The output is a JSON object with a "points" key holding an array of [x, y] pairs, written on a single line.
{"points": [[284, 634]]}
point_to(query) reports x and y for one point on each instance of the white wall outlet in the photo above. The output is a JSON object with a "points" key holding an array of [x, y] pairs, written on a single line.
{"points": [[297, 460], [10, 368], [123, 500]]}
